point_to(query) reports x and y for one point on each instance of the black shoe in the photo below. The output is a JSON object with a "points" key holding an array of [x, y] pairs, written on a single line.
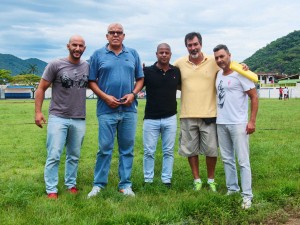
{"points": [[147, 184], [168, 185]]}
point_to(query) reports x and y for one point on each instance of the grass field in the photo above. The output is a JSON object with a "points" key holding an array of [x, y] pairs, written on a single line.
{"points": [[275, 160]]}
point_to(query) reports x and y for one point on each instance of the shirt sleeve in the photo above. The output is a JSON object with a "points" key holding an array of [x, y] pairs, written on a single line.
{"points": [[246, 83], [138, 69], [93, 67], [50, 71]]}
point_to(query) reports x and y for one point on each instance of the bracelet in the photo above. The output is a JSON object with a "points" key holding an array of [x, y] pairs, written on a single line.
{"points": [[134, 94]]}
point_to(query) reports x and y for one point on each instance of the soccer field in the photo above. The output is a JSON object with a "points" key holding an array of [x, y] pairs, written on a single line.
{"points": [[275, 162]]}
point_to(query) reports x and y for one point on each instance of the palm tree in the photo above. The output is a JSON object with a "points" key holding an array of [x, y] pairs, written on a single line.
{"points": [[33, 69]]}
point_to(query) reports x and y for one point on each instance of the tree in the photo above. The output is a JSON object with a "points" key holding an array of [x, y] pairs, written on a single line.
{"points": [[281, 56], [32, 69], [26, 79], [5, 76]]}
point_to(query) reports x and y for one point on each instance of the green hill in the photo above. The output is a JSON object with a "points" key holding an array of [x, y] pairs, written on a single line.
{"points": [[19, 66], [281, 56]]}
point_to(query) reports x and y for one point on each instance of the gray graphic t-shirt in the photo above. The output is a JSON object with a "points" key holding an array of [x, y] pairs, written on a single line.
{"points": [[69, 82]]}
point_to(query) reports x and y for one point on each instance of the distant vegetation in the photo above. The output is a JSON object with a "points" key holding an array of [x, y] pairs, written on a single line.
{"points": [[19, 66], [281, 56], [24, 79], [5, 76], [14, 70]]}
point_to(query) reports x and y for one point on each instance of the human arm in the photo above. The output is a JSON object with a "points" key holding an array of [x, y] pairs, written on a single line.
{"points": [[110, 100], [129, 98], [179, 83], [179, 80], [39, 99], [139, 81], [254, 108], [94, 75]]}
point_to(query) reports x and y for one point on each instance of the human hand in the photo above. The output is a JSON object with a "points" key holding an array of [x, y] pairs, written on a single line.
{"points": [[39, 119], [245, 67], [127, 99], [112, 102], [250, 127]]}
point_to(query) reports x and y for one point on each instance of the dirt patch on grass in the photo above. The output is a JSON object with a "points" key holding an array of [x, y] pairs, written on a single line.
{"points": [[286, 216], [293, 221]]}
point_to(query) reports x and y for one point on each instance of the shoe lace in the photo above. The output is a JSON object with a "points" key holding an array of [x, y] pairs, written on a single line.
{"points": [[213, 185], [197, 185]]}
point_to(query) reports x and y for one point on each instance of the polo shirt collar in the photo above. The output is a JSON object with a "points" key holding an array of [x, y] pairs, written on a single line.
{"points": [[154, 66], [205, 57], [124, 48]]}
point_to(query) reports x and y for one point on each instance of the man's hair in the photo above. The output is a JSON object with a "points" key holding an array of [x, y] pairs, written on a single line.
{"points": [[191, 35], [219, 47], [163, 45], [115, 24]]}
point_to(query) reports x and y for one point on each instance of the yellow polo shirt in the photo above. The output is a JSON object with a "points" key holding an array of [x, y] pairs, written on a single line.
{"points": [[198, 92]]}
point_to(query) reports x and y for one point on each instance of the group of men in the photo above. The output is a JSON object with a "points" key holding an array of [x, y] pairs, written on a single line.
{"points": [[214, 111]]}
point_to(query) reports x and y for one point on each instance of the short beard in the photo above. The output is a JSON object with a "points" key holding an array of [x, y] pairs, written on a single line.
{"points": [[75, 53], [194, 56]]}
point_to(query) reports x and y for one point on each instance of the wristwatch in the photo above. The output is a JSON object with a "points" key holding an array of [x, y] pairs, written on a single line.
{"points": [[134, 94]]}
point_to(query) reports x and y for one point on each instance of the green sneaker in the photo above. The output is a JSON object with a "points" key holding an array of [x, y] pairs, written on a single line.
{"points": [[212, 186], [197, 186]]}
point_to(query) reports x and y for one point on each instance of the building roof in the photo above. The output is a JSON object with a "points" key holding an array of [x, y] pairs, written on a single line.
{"points": [[20, 86], [290, 81]]}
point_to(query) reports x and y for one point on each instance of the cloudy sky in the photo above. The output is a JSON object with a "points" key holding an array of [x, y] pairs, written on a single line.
{"points": [[41, 28]]}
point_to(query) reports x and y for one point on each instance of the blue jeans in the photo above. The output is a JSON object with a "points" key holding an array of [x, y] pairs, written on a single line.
{"points": [[63, 132], [233, 139], [124, 125], [151, 131]]}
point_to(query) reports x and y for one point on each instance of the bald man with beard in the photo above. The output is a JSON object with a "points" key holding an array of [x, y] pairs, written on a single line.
{"points": [[66, 123]]}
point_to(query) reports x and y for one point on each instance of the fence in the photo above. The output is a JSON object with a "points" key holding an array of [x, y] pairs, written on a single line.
{"points": [[274, 92], [262, 92]]}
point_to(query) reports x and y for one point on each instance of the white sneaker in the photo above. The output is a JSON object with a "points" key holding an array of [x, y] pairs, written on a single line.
{"points": [[94, 191], [127, 191], [246, 203]]}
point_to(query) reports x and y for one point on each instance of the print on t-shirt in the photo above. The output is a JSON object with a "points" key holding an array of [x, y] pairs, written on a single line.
{"points": [[221, 95], [74, 81]]}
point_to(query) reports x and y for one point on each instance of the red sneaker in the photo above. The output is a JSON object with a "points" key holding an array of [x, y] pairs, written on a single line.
{"points": [[73, 190], [53, 196]]}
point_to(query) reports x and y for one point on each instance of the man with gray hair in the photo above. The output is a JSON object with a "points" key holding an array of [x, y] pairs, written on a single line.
{"points": [[116, 77]]}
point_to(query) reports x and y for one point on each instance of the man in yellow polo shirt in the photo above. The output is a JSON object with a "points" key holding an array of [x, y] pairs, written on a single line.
{"points": [[198, 133]]}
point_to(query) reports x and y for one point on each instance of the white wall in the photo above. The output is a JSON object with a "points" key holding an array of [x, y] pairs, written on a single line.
{"points": [[274, 92], [263, 92]]}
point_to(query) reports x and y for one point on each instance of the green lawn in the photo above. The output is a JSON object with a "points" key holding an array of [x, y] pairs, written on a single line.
{"points": [[275, 161]]}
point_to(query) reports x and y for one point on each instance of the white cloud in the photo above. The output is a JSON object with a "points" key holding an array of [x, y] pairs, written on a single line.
{"points": [[41, 29]]}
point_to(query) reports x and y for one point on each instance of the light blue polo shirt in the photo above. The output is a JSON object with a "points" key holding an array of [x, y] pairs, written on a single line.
{"points": [[115, 75]]}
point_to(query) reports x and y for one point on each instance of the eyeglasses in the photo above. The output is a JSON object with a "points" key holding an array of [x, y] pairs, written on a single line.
{"points": [[115, 32]]}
